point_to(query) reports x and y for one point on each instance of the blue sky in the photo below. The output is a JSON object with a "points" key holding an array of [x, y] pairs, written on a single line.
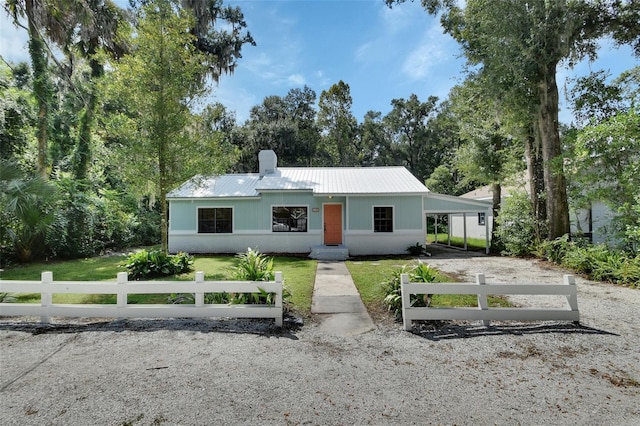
{"points": [[381, 53]]}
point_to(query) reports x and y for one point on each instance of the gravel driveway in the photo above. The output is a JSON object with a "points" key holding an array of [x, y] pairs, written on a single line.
{"points": [[141, 372]]}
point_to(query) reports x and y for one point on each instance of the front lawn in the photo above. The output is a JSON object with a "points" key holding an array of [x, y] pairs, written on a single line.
{"points": [[472, 243], [299, 275], [368, 276]]}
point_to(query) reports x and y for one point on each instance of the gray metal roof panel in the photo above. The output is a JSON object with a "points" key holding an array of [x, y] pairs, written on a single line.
{"points": [[226, 186], [319, 180], [344, 180]]}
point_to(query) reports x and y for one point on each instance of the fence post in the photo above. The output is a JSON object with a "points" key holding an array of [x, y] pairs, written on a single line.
{"points": [[406, 301], [198, 297], [482, 298], [279, 281], [45, 297], [572, 298], [121, 296]]}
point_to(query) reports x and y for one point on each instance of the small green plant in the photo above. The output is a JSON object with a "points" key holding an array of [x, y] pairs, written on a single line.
{"points": [[416, 250], [253, 266], [155, 263], [393, 295]]}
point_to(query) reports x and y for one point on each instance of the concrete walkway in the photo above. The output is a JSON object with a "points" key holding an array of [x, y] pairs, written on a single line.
{"points": [[336, 302]]}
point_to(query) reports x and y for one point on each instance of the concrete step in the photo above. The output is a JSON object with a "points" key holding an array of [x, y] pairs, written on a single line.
{"points": [[323, 252]]}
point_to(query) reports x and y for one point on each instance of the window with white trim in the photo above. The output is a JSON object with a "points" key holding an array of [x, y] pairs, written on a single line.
{"points": [[289, 219], [215, 220], [383, 219]]}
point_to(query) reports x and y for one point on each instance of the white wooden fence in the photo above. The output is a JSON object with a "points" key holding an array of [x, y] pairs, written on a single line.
{"points": [[122, 288], [483, 312]]}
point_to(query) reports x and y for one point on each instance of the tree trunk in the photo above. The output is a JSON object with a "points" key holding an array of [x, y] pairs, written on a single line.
{"points": [[535, 171], [41, 87], [82, 156], [554, 180]]}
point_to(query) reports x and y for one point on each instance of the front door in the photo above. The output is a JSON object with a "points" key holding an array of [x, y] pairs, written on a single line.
{"points": [[332, 224]]}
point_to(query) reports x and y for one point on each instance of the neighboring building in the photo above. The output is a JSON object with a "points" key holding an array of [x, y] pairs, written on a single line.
{"points": [[327, 211], [479, 225], [592, 222]]}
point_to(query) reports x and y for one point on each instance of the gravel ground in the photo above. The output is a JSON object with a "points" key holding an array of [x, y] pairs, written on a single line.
{"points": [[152, 372]]}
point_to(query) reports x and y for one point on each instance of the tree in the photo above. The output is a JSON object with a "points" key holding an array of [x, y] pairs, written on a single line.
{"points": [[284, 124], [604, 164], [63, 23], [528, 40], [338, 125], [441, 181], [17, 112], [220, 47], [489, 154], [98, 34], [412, 141], [159, 82], [373, 142]]}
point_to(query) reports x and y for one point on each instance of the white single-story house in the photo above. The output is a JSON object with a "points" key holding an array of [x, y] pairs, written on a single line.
{"points": [[317, 210]]}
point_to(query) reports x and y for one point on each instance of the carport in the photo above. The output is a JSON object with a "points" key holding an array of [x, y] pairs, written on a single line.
{"points": [[440, 204]]}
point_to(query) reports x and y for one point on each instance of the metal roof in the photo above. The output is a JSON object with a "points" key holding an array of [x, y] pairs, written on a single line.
{"points": [[319, 180]]}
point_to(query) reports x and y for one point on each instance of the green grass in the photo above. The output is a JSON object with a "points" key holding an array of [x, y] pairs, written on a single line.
{"points": [[369, 275], [472, 243], [299, 275]]}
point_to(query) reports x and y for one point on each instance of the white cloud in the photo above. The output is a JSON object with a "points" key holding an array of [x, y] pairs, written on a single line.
{"points": [[297, 80], [13, 41], [236, 99], [434, 49], [398, 17]]}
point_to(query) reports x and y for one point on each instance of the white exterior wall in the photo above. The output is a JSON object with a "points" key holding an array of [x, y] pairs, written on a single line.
{"points": [[456, 226], [601, 217], [358, 243], [238, 242], [374, 243]]}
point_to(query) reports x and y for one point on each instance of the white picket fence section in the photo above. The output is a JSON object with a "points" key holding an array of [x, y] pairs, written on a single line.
{"points": [[483, 312], [122, 288]]}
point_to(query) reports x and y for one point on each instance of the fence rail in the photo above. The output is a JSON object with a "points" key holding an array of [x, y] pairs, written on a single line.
{"points": [[122, 288], [483, 312]]}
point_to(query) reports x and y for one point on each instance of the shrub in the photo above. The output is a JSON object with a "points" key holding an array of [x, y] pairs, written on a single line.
{"points": [[597, 261], [555, 250], [416, 250], [393, 295], [518, 230], [253, 266], [155, 263], [256, 266]]}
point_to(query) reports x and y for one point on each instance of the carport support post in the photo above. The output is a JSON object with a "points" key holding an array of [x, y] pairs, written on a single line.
{"points": [[482, 298], [199, 297], [486, 229], [45, 298]]}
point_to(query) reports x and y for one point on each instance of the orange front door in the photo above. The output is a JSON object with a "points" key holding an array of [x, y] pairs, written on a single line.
{"points": [[333, 224]]}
